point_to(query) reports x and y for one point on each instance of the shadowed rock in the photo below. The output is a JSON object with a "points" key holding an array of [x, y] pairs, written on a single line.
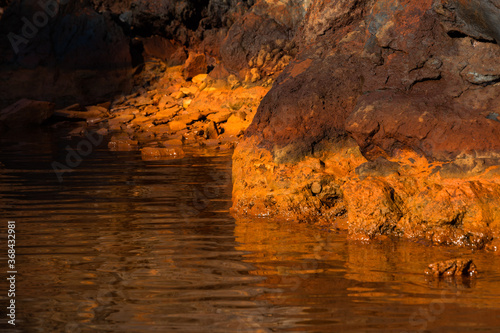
{"points": [[454, 267]]}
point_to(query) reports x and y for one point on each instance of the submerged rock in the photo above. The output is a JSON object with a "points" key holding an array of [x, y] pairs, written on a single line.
{"points": [[454, 267]]}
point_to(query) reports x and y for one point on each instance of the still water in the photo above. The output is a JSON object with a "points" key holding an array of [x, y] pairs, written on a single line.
{"points": [[124, 245]]}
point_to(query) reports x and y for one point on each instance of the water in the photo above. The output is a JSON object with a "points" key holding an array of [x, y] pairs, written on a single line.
{"points": [[122, 245]]}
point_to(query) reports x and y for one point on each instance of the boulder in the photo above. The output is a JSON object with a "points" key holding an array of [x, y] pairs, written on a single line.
{"points": [[26, 112], [196, 64], [454, 267]]}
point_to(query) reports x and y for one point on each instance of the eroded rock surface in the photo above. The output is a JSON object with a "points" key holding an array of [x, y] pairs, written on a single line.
{"points": [[392, 106], [454, 267]]}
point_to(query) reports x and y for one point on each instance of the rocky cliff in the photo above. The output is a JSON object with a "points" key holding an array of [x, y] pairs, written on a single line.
{"points": [[386, 122], [382, 118]]}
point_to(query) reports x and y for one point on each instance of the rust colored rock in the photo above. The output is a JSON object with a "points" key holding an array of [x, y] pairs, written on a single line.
{"points": [[454, 267], [399, 103], [196, 64], [170, 51]]}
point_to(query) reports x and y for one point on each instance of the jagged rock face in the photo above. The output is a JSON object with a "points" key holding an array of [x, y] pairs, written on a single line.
{"points": [[66, 52], [393, 75], [232, 32], [249, 39], [397, 101]]}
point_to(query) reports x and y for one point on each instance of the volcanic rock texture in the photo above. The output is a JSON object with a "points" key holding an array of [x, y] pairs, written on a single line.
{"points": [[386, 122]]}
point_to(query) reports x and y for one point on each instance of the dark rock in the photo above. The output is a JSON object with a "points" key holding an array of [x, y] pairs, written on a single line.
{"points": [[455, 267], [170, 51], [26, 112]]}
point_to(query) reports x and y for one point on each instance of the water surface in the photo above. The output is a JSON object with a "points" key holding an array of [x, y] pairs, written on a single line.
{"points": [[123, 245]]}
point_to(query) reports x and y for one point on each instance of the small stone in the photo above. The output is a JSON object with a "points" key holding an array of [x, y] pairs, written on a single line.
{"points": [[220, 117], [454, 267], [176, 125], [186, 102], [150, 109], [164, 101], [255, 75], [199, 79], [189, 91], [316, 188], [178, 95], [210, 131]]}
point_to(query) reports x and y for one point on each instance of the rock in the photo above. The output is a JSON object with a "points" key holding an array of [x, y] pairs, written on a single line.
{"points": [[199, 79], [170, 51], [210, 143], [178, 95], [316, 188], [165, 101], [150, 110], [165, 115], [186, 102], [176, 125], [189, 91], [210, 131], [407, 144], [254, 75], [234, 126], [220, 117], [195, 64], [118, 121], [102, 131], [149, 153], [122, 144], [455, 267], [26, 112]]}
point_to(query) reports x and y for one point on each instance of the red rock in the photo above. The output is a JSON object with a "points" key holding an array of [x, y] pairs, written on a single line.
{"points": [[170, 51], [195, 64]]}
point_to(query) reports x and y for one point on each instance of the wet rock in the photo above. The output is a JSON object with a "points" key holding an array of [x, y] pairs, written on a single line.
{"points": [[117, 122], [406, 140], [455, 267], [122, 144], [150, 153], [26, 112]]}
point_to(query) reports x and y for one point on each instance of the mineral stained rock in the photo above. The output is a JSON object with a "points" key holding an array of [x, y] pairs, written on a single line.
{"points": [[390, 106], [454, 267]]}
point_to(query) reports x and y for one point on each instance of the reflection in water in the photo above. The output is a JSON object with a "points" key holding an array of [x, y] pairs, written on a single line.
{"points": [[123, 245]]}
